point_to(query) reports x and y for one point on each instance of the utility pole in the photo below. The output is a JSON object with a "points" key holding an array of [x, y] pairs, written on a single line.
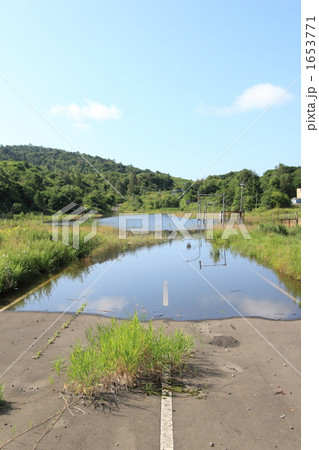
{"points": [[198, 211]]}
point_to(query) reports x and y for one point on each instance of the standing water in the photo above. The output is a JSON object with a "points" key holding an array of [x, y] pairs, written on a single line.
{"points": [[180, 280]]}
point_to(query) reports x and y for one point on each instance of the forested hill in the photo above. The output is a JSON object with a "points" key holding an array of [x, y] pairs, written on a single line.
{"points": [[45, 180], [55, 159]]}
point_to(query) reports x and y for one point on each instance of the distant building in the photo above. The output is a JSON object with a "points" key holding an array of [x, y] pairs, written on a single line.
{"points": [[297, 200]]}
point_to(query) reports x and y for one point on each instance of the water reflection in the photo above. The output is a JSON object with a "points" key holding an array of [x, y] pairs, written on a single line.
{"points": [[264, 308], [149, 221], [108, 304], [286, 283], [136, 282]]}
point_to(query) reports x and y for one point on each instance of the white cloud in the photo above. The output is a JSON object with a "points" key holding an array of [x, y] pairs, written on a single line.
{"points": [[92, 110], [260, 96]]}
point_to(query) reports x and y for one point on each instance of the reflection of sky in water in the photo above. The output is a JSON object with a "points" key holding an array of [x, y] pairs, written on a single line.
{"points": [[135, 282], [107, 304], [162, 221], [263, 308]]}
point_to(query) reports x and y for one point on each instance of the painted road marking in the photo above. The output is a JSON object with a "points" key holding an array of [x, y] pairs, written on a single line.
{"points": [[166, 438], [277, 287], [165, 293]]}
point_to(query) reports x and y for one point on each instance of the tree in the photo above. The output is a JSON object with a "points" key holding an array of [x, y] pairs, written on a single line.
{"points": [[132, 187], [275, 199]]}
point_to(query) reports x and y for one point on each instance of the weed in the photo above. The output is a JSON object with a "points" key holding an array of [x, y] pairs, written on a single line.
{"points": [[58, 332], [81, 309], [60, 366], [124, 354], [51, 381], [151, 389], [182, 390], [2, 399], [38, 354]]}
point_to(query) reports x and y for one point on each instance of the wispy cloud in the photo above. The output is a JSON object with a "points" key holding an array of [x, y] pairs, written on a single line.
{"points": [[260, 96], [92, 110]]}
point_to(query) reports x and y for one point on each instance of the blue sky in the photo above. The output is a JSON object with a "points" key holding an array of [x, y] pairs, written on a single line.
{"points": [[161, 84]]}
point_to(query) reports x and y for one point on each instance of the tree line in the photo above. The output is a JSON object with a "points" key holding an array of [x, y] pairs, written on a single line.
{"points": [[45, 180]]}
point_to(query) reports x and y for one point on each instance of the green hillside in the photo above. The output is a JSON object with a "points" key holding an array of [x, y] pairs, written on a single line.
{"points": [[45, 180]]}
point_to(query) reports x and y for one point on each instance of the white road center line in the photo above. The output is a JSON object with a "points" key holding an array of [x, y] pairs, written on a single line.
{"points": [[166, 438], [165, 293], [277, 287]]}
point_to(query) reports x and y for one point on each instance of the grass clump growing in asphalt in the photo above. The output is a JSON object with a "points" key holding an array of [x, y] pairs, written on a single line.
{"points": [[2, 399], [125, 354]]}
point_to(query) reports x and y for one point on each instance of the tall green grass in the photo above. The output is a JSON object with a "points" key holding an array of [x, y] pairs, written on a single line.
{"points": [[275, 215], [272, 245], [124, 354], [27, 251]]}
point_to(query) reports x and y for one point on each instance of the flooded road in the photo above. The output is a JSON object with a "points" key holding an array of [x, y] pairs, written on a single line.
{"points": [[180, 280]]}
